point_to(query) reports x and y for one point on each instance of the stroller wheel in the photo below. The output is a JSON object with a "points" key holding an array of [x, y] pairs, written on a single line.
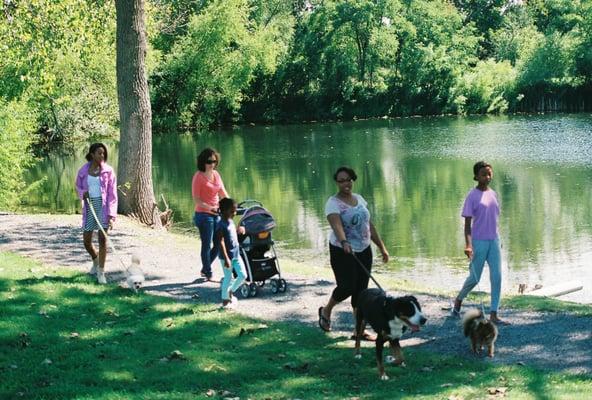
{"points": [[244, 290], [282, 285], [261, 283], [252, 290], [274, 286]]}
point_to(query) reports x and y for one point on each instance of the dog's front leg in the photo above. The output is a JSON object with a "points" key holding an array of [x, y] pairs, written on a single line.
{"points": [[359, 328], [397, 352], [379, 347], [474, 344], [490, 349]]}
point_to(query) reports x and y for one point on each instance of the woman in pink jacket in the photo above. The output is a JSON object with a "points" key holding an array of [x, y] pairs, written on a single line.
{"points": [[96, 182]]}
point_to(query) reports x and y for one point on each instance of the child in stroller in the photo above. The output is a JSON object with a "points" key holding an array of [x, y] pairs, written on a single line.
{"points": [[257, 249]]}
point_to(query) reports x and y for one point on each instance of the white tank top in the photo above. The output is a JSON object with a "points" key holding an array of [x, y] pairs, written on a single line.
{"points": [[94, 186]]}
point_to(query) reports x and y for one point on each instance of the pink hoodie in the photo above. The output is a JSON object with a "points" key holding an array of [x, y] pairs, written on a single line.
{"points": [[108, 183]]}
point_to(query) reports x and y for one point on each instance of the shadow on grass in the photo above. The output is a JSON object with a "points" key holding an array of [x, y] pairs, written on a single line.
{"points": [[65, 337]]}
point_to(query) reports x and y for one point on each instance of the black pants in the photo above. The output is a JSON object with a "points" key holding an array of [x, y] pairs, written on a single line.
{"points": [[350, 277]]}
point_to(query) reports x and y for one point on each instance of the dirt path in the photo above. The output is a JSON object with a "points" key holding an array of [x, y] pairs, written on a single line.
{"points": [[554, 341]]}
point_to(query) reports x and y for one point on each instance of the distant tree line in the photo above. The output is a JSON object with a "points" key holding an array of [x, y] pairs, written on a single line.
{"points": [[268, 61]]}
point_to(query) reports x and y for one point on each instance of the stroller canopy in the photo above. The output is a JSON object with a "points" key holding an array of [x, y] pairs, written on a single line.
{"points": [[257, 219]]}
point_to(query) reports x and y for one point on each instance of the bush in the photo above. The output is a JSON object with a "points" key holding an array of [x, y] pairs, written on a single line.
{"points": [[486, 88], [16, 125]]}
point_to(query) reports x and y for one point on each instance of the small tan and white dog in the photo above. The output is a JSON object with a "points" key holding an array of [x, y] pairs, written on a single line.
{"points": [[134, 275], [480, 331]]}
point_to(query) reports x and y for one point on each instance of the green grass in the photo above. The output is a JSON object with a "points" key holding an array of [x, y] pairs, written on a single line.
{"points": [[108, 343]]}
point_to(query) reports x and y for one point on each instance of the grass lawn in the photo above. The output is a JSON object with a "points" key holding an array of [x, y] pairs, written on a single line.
{"points": [[63, 336]]}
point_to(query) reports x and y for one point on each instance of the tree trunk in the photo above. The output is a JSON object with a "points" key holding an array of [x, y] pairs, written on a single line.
{"points": [[136, 195]]}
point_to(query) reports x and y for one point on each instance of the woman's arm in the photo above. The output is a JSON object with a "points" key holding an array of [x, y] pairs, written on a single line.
{"points": [[468, 238], [337, 226], [375, 237], [199, 202], [82, 194]]}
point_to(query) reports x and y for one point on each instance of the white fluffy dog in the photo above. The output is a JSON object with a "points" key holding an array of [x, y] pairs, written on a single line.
{"points": [[134, 275]]}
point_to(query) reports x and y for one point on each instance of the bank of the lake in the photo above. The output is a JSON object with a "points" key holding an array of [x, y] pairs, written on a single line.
{"points": [[171, 264]]}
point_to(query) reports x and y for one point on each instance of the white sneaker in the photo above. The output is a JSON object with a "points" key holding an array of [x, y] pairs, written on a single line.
{"points": [[95, 266], [101, 277]]}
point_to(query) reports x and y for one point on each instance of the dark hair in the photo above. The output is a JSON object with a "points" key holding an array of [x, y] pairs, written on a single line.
{"points": [[350, 172], [477, 167], [93, 148], [226, 204], [203, 157]]}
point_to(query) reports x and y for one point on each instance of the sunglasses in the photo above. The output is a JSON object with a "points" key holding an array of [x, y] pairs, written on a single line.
{"points": [[344, 180], [209, 161]]}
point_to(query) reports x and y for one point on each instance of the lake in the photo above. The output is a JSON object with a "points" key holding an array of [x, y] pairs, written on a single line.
{"points": [[414, 173]]}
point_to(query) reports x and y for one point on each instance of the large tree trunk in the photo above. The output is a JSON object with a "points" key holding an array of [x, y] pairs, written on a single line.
{"points": [[136, 195]]}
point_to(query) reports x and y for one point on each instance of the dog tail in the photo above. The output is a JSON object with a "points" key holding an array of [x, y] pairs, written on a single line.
{"points": [[470, 317]]}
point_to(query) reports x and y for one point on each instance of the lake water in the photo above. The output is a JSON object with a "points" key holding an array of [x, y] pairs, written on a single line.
{"points": [[414, 173]]}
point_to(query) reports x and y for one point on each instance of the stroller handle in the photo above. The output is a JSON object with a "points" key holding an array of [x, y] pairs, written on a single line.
{"points": [[245, 204]]}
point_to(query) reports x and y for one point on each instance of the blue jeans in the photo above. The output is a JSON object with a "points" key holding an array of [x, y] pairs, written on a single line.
{"points": [[485, 250], [229, 285], [206, 224]]}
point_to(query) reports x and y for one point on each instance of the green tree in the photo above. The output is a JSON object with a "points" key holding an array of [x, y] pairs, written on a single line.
{"points": [[438, 49], [487, 16], [583, 53], [203, 78], [59, 58], [16, 125], [486, 88]]}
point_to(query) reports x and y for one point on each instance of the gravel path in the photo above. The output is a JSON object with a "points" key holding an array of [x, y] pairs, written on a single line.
{"points": [[552, 341]]}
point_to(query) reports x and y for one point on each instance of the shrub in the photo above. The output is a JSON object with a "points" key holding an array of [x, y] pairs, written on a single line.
{"points": [[16, 125]]}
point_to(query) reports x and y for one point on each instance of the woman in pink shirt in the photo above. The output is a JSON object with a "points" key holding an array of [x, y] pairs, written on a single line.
{"points": [[96, 182], [207, 189]]}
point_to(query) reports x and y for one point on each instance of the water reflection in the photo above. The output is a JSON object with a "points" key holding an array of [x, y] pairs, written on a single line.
{"points": [[414, 173]]}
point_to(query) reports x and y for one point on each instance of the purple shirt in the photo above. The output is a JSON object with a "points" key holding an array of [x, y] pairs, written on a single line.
{"points": [[108, 184], [484, 210]]}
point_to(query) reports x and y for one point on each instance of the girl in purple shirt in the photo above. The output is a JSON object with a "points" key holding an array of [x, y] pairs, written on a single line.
{"points": [[481, 213], [96, 182]]}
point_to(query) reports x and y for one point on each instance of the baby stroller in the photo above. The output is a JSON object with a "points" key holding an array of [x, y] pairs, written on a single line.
{"points": [[257, 249]]}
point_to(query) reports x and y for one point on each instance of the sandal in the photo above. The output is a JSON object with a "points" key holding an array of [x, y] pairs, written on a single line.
{"points": [[324, 323], [368, 337]]}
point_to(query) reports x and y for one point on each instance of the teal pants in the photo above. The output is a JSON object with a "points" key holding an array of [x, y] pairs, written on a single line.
{"points": [[229, 283], [485, 250]]}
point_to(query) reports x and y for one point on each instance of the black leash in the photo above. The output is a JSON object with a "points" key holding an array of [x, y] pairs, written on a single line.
{"points": [[366, 271]]}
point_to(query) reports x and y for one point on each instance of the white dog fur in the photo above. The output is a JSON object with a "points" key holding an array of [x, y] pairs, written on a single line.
{"points": [[134, 275]]}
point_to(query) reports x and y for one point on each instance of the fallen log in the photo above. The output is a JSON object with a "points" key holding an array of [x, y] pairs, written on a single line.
{"points": [[556, 290]]}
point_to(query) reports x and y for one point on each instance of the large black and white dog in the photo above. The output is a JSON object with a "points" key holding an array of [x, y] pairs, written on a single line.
{"points": [[389, 317]]}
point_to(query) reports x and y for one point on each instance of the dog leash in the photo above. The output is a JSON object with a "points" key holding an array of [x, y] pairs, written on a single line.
{"points": [[366, 271], [92, 210]]}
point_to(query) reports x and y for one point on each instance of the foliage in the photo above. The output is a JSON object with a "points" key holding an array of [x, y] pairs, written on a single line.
{"points": [[552, 61], [213, 62], [485, 88], [583, 53], [16, 125], [517, 37], [202, 79], [59, 58], [438, 49]]}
